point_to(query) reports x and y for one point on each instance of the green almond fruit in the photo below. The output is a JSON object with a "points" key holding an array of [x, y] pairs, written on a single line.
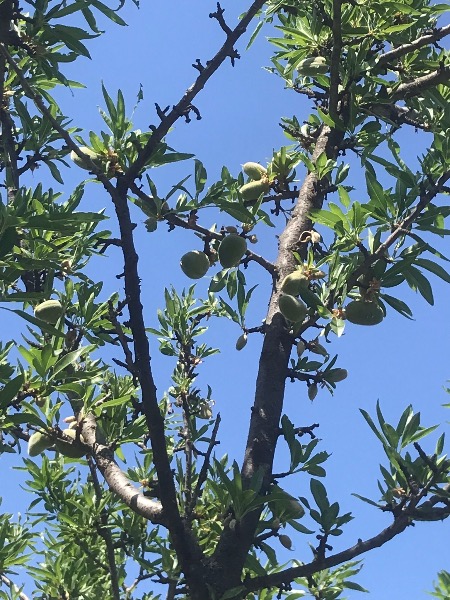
{"points": [[254, 170], [313, 66], [296, 510], [49, 311], [254, 189], [38, 442], [73, 449], [96, 158], [241, 341], [194, 264], [232, 248], [294, 282], [292, 309], [285, 541], [360, 312]]}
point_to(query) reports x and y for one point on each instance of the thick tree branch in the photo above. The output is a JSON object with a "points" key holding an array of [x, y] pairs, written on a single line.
{"points": [[188, 551], [105, 533], [395, 114], [116, 479], [424, 40], [417, 86], [233, 547]]}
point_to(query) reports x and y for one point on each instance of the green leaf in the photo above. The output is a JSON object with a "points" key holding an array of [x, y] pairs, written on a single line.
{"points": [[69, 359], [398, 305], [111, 14], [320, 494], [200, 177], [419, 283], [434, 268], [42, 324], [10, 390]]}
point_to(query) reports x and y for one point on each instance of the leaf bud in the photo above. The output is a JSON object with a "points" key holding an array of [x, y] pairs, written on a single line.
{"points": [[301, 347]]}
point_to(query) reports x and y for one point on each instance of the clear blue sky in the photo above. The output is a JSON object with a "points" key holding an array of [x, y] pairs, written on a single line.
{"points": [[399, 362]]}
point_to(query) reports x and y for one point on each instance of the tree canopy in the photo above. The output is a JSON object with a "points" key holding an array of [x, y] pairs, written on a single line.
{"points": [[132, 492]]}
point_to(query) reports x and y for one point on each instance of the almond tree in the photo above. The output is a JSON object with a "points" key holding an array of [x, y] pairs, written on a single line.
{"points": [[179, 518]]}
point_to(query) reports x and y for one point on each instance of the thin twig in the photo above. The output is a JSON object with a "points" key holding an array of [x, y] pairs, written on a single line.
{"points": [[304, 570], [180, 108], [205, 466], [335, 58], [37, 99], [123, 340]]}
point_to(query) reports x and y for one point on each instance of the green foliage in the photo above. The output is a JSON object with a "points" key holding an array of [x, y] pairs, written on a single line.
{"points": [[151, 497]]}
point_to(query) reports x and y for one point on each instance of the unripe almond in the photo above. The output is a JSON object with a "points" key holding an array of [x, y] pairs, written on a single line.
{"points": [[309, 297], [296, 509], [232, 248], [74, 448], [312, 66], [241, 341], [285, 541], [293, 283], [301, 346], [96, 158], [254, 189], [194, 264], [38, 442], [205, 411], [317, 274], [254, 170], [292, 309], [335, 375], [364, 313], [49, 311]]}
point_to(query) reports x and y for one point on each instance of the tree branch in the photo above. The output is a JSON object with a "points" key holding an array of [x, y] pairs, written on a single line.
{"points": [[423, 40], [233, 545], [187, 549], [105, 533], [180, 108], [335, 57], [56, 126], [415, 87], [115, 478], [400, 228], [276, 579], [14, 587], [204, 470]]}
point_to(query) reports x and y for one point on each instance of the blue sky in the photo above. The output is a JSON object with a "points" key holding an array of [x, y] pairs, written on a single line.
{"points": [[399, 362]]}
